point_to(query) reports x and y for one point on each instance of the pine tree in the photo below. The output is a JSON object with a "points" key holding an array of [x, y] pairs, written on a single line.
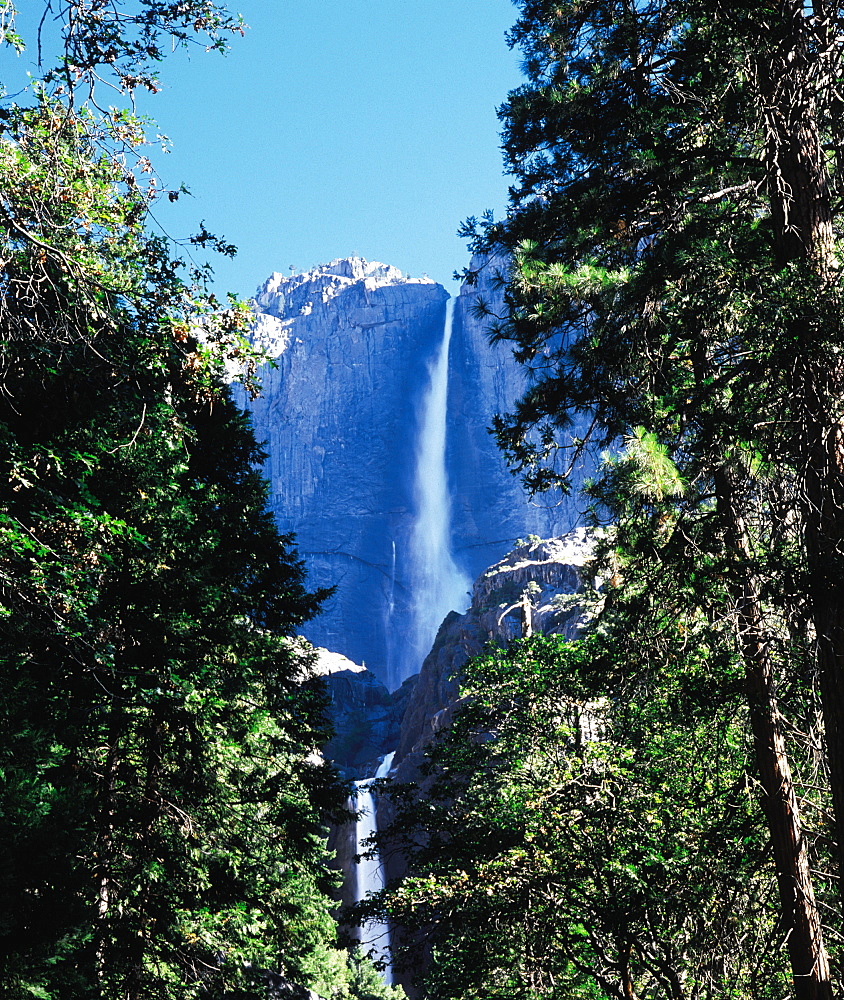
{"points": [[673, 227]]}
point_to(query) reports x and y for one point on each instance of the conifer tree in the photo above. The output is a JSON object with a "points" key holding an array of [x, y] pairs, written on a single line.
{"points": [[160, 810], [674, 231]]}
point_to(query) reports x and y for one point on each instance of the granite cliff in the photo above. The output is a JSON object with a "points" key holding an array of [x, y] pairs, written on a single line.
{"points": [[341, 418]]}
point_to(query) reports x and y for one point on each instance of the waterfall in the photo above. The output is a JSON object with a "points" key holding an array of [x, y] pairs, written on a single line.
{"points": [[438, 585], [375, 935]]}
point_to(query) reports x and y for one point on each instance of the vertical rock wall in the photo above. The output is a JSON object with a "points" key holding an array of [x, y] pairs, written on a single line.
{"points": [[489, 507], [339, 418]]}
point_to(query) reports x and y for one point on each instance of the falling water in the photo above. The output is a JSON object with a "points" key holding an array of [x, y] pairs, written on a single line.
{"points": [[375, 935], [389, 608], [439, 586], [391, 600]]}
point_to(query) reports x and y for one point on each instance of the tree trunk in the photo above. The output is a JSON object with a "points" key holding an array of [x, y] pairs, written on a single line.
{"points": [[798, 179], [801, 920], [801, 208], [823, 525], [105, 849], [527, 616]]}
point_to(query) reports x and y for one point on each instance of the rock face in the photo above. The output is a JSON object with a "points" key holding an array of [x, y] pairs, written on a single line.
{"points": [[549, 579], [364, 715], [340, 418], [337, 418], [489, 507]]}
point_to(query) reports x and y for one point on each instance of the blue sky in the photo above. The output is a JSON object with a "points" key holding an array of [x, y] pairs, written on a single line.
{"points": [[338, 127], [334, 127]]}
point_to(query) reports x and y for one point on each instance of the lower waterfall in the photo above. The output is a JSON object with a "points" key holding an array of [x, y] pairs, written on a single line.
{"points": [[437, 583], [374, 935]]}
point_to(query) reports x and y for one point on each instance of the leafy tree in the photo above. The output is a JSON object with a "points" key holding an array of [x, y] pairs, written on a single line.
{"points": [[352, 976], [590, 829], [673, 227], [160, 811]]}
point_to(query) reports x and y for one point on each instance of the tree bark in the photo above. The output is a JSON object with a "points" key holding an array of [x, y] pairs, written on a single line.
{"points": [[802, 212], [801, 920], [798, 179]]}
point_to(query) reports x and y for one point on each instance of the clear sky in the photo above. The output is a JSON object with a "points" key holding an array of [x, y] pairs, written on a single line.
{"points": [[337, 127]]}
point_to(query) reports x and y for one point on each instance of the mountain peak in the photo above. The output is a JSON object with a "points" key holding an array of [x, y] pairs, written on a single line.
{"points": [[335, 274]]}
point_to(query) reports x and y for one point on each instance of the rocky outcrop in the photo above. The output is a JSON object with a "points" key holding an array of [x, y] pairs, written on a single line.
{"points": [[550, 580], [364, 715], [545, 586], [340, 417]]}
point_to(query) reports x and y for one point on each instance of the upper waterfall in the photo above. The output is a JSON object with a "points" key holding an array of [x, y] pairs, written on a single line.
{"points": [[438, 585], [343, 416]]}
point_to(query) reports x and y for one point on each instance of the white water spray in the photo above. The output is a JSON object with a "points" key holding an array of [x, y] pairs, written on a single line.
{"points": [[391, 600], [438, 585], [374, 935], [388, 610]]}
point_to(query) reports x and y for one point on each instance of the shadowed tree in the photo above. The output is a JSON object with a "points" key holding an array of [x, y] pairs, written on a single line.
{"points": [[673, 228]]}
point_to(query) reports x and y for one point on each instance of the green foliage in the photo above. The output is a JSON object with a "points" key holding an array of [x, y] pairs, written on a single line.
{"points": [[350, 975], [652, 473], [675, 274], [590, 827], [124, 49], [647, 283], [161, 814]]}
